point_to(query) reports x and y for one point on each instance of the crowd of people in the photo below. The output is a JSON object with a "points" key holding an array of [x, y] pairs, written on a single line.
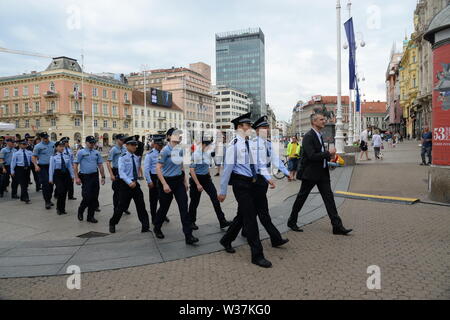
{"points": [[246, 164]]}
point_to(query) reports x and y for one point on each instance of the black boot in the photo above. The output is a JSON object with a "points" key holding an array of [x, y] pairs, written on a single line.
{"points": [[191, 239]]}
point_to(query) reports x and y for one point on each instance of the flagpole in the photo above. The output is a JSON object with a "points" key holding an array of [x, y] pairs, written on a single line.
{"points": [[339, 138], [350, 104], [82, 93]]}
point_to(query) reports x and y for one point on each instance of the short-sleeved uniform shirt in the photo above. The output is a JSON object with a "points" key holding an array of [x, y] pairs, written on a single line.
{"points": [[172, 160], [44, 151], [88, 160]]}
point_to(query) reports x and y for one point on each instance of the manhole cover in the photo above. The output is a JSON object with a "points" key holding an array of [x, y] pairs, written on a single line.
{"points": [[92, 234]]}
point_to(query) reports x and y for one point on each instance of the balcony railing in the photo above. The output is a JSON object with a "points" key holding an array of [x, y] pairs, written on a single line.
{"points": [[127, 102], [51, 94]]}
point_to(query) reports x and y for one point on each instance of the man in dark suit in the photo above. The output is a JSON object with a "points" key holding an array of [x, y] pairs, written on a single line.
{"points": [[314, 171]]}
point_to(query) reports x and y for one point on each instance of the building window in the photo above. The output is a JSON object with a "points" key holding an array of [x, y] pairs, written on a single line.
{"points": [[95, 108], [105, 93], [26, 108], [126, 111], [113, 93], [25, 91], [114, 110], [105, 109], [95, 123], [6, 109], [53, 122], [52, 87], [36, 89], [136, 124], [114, 124], [38, 123], [17, 123], [77, 122], [105, 123], [142, 124], [27, 123], [125, 124], [16, 92], [6, 92], [125, 97], [16, 108], [76, 106], [53, 105], [142, 112], [37, 107], [136, 112], [94, 92]]}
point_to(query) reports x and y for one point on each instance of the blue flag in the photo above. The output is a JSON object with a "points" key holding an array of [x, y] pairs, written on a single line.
{"points": [[352, 52], [358, 100]]}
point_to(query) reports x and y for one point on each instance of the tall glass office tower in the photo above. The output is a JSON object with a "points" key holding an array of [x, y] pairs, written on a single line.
{"points": [[240, 64]]}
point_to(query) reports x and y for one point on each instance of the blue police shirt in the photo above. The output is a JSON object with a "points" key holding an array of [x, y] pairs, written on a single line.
{"points": [[88, 160], [18, 159], [6, 154], [126, 167], [56, 164], [150, 161], [172, 160], [114, 155], [201, 161], [68, 151], [265, 156], [237, 161], [43, 151]]}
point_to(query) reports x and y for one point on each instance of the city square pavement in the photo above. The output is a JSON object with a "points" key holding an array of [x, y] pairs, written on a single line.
{"points": [[409, 244]]}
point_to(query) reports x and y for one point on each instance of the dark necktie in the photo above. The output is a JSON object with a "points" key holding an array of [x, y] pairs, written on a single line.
{"points": [[135, 174], [25, 159], [252, 165], [63, 164]]}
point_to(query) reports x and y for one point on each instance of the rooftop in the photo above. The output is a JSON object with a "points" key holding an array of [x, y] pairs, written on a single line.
{"points": [[373, 107], [440, 22]]}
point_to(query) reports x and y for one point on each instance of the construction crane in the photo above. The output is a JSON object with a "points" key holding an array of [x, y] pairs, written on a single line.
{"points": [[24, 53]]}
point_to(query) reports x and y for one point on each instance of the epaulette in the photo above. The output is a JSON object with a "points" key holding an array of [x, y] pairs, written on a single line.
{"points": [[234, 141], [123, 155]]}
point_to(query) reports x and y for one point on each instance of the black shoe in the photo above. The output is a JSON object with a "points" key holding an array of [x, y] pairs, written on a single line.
{"points": [[112, 228], [429, 164], [80, 215], [423, 164], [15, 196], [191, 239], [279, 244], [144, 230], [158, 233], [51, 203], [60, 212], [294, 227], [224, 224], [48, 206], [341, 231], [97, 210], [27, 201], [92, 220], [166, 219], [73, 198], [194, 226], [38, 189], [262, 262], [127, 212], [227, 246]]}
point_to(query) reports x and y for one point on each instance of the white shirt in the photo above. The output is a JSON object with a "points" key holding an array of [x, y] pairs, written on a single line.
{"points": [[363, 136], [319, 135], [376, 139]]}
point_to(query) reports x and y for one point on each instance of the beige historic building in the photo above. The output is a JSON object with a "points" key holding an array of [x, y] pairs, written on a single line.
{"points": [[373, 114], [230, 104], [191, 91], [54, 100], [151, 118]]}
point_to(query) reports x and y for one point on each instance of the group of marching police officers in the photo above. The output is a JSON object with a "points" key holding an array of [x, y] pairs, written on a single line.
{"points": [[246, 167]]}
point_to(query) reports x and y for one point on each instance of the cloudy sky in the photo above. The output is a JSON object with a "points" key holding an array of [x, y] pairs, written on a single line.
{"points": [[121, 36]]}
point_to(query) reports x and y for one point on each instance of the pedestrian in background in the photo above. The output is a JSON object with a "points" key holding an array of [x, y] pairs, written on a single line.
{"points": [[377, 142], [364, 144], [427, 141], [293, 154]]}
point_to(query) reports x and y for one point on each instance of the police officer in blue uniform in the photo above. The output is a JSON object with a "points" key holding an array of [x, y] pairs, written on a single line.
{"points": [[86, 167], [69, 151], [173, 183], [112, 164], [41, 160], [30, 147], [201, 180], [5, 165], [61, 175], [240, 170], [150, 161], [129, 188], [20, 169]]}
